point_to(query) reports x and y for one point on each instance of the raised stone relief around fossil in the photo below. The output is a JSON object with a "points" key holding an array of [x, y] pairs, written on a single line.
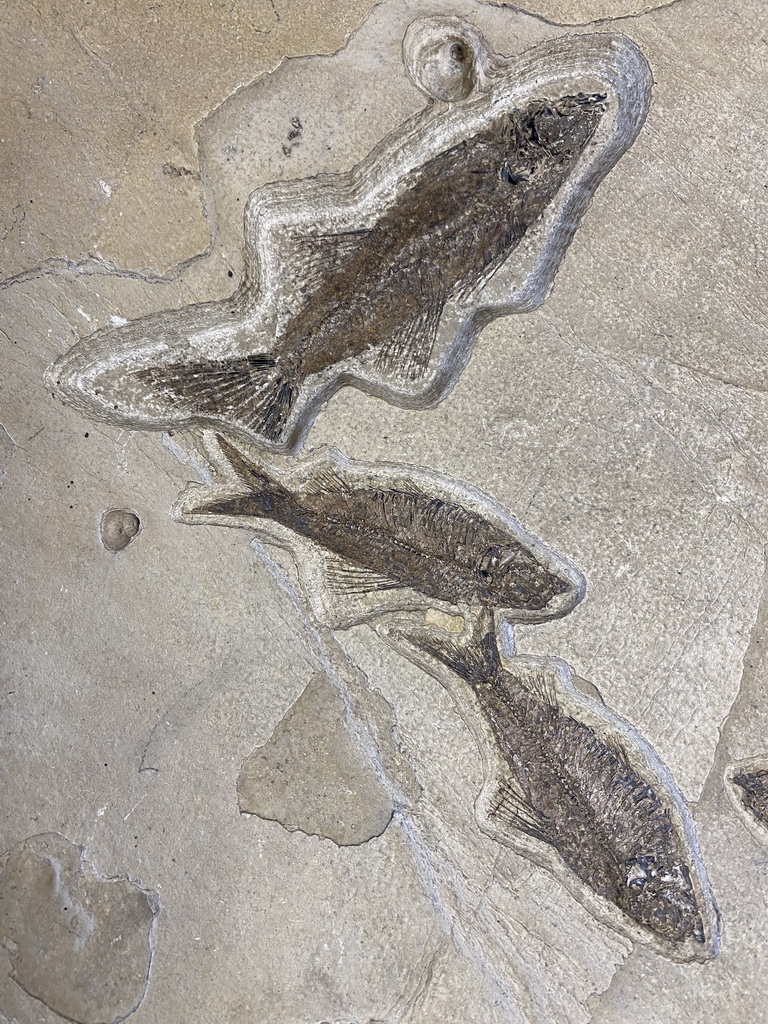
{"points": [[383, 537], [344, 284], [747, 785], [565, 775]]}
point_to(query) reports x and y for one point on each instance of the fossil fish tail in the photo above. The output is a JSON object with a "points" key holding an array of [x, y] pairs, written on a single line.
{"points": [[257, 391], [578, 779], [266, 498]]}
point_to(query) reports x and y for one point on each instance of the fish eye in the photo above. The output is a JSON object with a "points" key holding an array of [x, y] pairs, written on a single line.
{"points": [[490, 559], [485, 576], [638, 873]]}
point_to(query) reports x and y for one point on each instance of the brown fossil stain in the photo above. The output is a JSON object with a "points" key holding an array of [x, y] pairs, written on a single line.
{"points": [[382, 290]]}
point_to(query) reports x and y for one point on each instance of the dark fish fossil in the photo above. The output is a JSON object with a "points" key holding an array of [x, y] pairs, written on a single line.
{"points": [[749, 790], [568, 774], [388, 533], [382, 277], [383, 290]]}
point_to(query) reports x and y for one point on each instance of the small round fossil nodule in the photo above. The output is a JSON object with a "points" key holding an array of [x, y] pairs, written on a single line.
{"points": [[118, 527]]}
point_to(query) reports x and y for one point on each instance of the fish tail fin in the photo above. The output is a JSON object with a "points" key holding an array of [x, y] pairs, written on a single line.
{"points": [[475, 660], [260, 484], [255, 392], [265, 497]]}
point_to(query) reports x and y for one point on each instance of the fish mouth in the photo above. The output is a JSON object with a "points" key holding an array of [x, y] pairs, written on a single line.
{"points": [[571, 593], [567, 589]]}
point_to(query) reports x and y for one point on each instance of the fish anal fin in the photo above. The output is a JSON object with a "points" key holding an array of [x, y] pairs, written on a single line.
{"points": [[343, 577], [509, 808], [406, 352]]}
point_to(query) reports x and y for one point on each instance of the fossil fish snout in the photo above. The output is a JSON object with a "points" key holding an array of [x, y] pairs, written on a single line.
{"points": [[555, 591], [572, 587]]}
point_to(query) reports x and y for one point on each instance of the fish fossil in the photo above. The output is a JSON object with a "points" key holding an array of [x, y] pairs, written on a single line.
{"points": [[747, 785], [382, 277], [379, 530], [566, 776], [383, 290]]}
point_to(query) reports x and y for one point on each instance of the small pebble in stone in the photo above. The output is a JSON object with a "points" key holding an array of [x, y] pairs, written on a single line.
{"points": [[118, 528]]}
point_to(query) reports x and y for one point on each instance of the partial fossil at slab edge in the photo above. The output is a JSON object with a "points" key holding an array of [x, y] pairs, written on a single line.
{"points": [[370, 538], [576, 789], [342, 283], [747, 786]]}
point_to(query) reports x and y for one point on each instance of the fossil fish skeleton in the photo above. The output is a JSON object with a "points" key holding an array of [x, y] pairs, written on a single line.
{"points": [[747, 786], [388, 536], [576, 789], [383, 276]]}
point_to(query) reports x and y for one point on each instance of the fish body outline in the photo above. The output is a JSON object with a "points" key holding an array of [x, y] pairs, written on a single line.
{"points": [[549, 689], [225, 357], [393, 537]]}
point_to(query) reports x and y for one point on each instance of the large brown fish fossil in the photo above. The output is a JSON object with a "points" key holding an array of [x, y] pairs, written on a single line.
{"points": [[575, 788], [372, 538], [383, 276]]}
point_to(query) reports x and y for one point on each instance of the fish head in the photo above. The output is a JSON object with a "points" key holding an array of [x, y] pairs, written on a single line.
{"points": [[512, 576], [660, 896], [546, 134]]}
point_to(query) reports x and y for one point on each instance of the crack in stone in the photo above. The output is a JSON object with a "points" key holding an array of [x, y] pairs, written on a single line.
{"points": [[607, 20]]}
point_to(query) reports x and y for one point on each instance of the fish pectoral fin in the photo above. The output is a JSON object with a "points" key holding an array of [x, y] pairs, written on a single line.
{"points": [[343, 577], [509, 807], [406, 352]]}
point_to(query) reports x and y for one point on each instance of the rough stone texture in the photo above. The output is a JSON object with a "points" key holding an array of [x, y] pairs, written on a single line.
{"points": [[624, 422], [312, 773]]}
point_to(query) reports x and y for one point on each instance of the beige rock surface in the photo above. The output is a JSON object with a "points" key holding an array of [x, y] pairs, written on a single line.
{"points": [[624, 421]]}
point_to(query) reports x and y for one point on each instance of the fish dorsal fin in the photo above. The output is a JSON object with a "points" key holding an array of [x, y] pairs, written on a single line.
{"points": [[328, 480], [405, 354], [346, 578], [509, 807], [317, 256]]}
